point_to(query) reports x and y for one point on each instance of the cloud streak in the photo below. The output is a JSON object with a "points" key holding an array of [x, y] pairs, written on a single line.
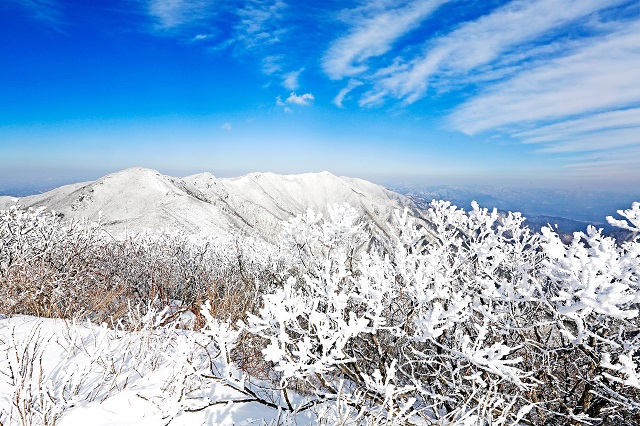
{"points": [[575, 129], [245, 28], [562, 74], [245, 25], [374, 36], [583, 102], [342, 94], [168, 15]]}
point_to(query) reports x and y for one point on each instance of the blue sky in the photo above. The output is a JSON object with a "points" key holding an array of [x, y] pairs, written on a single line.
{"points": [[524, 93]]}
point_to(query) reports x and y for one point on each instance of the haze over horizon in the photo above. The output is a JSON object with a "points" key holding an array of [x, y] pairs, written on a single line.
{"points": [[528, 93]]}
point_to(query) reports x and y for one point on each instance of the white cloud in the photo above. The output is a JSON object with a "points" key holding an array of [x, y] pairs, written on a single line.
{"points": [[303, 100], [583, 101], [345, 91], [596, 141], [373, 36], [372, 98], [271, 64], [284, 106], [577, 128], [259, 23], [560, 73], [227, 127], [603, 75], [484, 40], [247, 24], [172, 14], [290, 80]]}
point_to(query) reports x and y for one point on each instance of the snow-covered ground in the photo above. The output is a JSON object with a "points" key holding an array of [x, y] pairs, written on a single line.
{"points": [[59, 372]]}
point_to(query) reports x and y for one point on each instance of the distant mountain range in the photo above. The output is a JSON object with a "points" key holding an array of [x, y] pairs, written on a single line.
{"points": [[256, 204], [570, 210]]}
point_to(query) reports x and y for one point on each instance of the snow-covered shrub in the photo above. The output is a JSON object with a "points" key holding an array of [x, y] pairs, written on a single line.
{"points": [[46, 261], [590, 353], [51, 267], [486, 322]]}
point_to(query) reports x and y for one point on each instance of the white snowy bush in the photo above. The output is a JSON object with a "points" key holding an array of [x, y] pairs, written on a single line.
{"points": [[51, 267], [486, 323]]}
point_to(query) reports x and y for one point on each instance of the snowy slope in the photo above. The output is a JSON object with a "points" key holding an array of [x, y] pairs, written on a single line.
{"points": [[137, 199], [133, 200]]}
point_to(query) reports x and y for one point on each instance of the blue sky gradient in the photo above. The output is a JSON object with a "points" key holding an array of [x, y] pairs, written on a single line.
{"points": [[523, 93]]}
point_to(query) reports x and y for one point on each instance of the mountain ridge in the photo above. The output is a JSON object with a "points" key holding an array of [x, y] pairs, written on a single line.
{"points": [[138, 199]]}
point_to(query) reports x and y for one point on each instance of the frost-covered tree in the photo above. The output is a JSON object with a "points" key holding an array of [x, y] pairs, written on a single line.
{"points": [[486, 322]]}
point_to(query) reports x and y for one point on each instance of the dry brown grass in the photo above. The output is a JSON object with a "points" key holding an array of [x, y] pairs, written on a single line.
{"points": [[53, 268]]}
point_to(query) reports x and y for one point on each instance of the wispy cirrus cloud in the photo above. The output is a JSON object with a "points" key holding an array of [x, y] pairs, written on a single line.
{"points": [[574, 130], [495, 46], [169, 15], [598, 140], [607, 144], [477, 43], [342, 94], [562, 74], [372, 98], [245, 23], [271, 64], [251, 27], [583, 105], [46, 11], [602, 75], [259, 23], [373, 36]]}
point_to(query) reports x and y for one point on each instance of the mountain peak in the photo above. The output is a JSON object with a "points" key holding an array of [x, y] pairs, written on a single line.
{"points": [[135, 171], [203, 175]]}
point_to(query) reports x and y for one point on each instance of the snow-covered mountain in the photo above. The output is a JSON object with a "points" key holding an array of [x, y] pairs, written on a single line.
{"points": [[256, 204]]}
